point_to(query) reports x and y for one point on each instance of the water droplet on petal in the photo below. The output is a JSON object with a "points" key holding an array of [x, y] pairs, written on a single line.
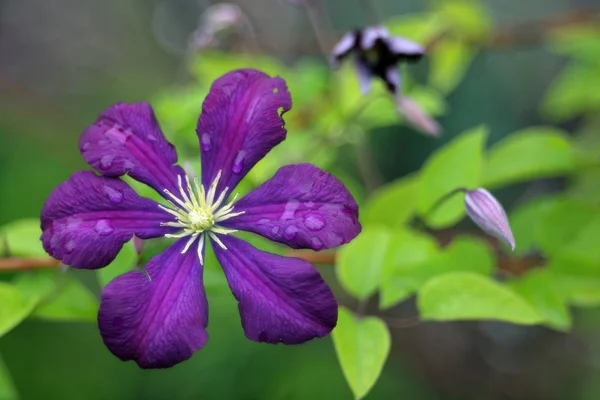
{"points": [[114, 195], [85, 146], [238, 163], [290, 209], [106, 161], [263, 221], [290, 232], [205, 142], [316, 243], [314, 222], [275, 231], [69, 246], [128, 165], [334, 239], [103, 228], [117, 134], [152, 138], [309, 204]]}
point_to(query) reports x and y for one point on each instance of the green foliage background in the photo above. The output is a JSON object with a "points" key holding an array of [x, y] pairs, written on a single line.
{"points": [[535, 148]]}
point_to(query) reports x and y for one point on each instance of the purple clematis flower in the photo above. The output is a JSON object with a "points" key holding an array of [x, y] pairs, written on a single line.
{"points": [[159, 318]]}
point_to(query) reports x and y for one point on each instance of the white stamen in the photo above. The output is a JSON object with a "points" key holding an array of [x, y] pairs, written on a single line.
{"points": [[200, 249], [197, 212], [189, 243], [216, 239]]}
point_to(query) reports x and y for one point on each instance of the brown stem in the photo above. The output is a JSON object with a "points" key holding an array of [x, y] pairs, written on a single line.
{"points": [[17, 264]]}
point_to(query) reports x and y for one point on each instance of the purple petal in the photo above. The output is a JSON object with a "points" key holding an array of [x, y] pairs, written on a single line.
{"points": [[301, 206], [392, 79], [158, 319], [240, 123], [86, 220], [405, 48], [488, 214], [370, 36], [126, 139], [364, 75], [343, 48], [280, 299]]}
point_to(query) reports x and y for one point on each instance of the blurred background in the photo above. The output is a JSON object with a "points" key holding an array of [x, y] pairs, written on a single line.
{"points": [[64, 61]]}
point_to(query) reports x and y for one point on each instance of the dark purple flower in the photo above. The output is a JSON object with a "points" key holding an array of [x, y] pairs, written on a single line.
{"points": [[376, 54], [158, 317]]}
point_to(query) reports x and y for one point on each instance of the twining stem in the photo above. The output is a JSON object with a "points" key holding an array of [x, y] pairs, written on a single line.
{"points": [[17, 264]]}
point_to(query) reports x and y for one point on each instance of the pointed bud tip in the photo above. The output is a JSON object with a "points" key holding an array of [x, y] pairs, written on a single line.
{"points": [[488, 214]]}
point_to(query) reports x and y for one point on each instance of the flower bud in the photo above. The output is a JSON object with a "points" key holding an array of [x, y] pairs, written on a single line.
{"points": [[417, 117], [488, 214]]}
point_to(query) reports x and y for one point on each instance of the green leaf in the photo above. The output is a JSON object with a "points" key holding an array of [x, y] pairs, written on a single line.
{"points": [[7, 387], [360, 262], [421, 27], [430, 100], [466, 18], [583, 248], [455, 165], [450, 60], [408, 251], [539, 289], [393, 205], [572, 93], [124, 262], [23, 237], [362, 346], [463, 254], [72, 302], [561, 222], [526, 218], [468, 296], [15, 307], [37, 285], [536, 152]]}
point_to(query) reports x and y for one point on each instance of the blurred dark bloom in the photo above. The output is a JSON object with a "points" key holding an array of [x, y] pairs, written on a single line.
{"points": [[488, 214], [158, 317], [376, 54]]}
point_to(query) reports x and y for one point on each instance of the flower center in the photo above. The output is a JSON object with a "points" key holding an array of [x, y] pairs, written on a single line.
{"points": [[199, 211], [201, 219]]}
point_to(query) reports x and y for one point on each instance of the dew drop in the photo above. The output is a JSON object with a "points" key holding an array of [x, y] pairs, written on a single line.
{"points": [[86, 146], [106, 161], [69, 246], [114, 195], [238, 163], [309, 204], [117, 135], [314, 222], [205, 142], [316, 243], [290, 209], [152, 138], [334, 239], [290, 232], [103, 228], [275, 231], [263, 221], [128, 165]]}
